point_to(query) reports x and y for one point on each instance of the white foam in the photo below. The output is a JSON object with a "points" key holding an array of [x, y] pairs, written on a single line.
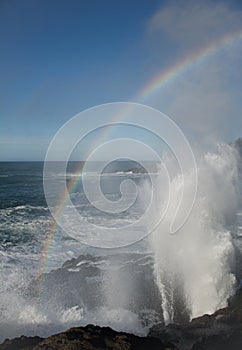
{"points": [[195, 264]]}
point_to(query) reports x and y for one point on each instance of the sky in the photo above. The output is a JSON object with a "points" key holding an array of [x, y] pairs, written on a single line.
{"points": [[60, 57]]}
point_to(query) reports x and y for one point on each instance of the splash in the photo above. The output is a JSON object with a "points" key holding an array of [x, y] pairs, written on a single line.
{"points": [[194, 268], [153, 86]]}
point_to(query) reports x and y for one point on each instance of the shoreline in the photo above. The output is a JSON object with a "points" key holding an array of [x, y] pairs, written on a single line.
{"points": [[219, 331]]}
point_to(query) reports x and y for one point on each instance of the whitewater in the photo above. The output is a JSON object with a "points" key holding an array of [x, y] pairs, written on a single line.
{"points": [[164, 278]]}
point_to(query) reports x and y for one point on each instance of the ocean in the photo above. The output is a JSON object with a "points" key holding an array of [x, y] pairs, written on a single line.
{"points": [[51, 280]]}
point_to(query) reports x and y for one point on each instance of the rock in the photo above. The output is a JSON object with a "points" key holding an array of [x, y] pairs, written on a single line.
{"points": [[88, 338], [222, 330], [22, 343], [220, 342]]}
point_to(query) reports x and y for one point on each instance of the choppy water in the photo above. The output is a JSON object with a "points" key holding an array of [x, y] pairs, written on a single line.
{"points": [[77, 292], [47, 288]]}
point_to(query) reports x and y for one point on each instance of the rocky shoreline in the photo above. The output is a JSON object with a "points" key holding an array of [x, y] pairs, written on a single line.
{"points": [[88, 338], [222, 330]]}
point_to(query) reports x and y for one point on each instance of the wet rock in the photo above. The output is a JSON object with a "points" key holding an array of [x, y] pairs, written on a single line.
{"points": [[88, 338], [22, 343], [222, 330]]}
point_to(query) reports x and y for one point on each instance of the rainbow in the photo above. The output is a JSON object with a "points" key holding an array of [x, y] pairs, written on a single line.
{"points": [[154, 86], [187, 64], [53, 230]]}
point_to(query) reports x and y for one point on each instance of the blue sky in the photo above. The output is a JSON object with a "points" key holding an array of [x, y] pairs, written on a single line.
{"points": [[61, 57]]}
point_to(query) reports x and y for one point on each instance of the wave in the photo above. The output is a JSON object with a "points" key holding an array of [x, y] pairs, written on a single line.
{"points": [[163, 278], [109, 290]]}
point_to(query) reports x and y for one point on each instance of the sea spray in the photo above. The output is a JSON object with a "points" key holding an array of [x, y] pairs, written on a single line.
{"points": [[193, 268]]}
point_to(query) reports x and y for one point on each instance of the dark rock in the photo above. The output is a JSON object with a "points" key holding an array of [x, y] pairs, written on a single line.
{"points": [[22, 343], [88, 338], [222, 330], [220, 342]]}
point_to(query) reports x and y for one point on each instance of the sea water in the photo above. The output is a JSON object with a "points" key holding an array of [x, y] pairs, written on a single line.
{"points": [[51, 281]]}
